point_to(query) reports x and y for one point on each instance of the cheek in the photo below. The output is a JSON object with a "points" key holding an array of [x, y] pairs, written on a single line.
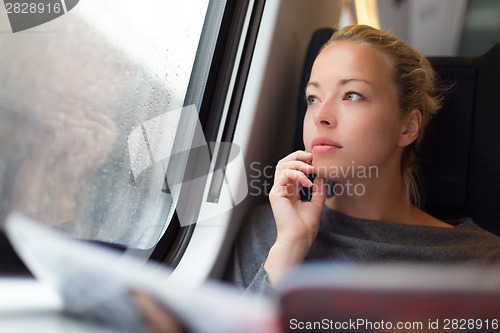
{"points": [[382, 127], [307, 132], [375, 129]]}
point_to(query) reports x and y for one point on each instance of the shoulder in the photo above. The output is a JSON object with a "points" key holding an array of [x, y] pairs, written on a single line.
{"points": [[464, 228], [471, 242], [420, 217], [256, 235], [468, 225], [258, 220]]}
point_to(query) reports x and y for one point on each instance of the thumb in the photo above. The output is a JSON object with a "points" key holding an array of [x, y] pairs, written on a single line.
{"points": [[319, 191]]}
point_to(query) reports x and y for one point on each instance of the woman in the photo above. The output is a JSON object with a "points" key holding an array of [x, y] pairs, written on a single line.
{"points": [[369, 99]]}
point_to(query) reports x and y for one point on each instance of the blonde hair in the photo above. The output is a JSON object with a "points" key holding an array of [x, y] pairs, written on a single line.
{"points": [[415, 80]]}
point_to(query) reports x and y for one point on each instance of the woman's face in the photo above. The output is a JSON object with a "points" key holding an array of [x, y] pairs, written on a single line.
{"points": [[353, 118]]}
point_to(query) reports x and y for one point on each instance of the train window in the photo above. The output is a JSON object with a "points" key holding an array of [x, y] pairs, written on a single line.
{"points": [[481, 27], [91, 103]]}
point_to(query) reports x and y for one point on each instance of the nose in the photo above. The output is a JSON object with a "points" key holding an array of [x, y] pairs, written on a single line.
{"points": [[325, 115]]}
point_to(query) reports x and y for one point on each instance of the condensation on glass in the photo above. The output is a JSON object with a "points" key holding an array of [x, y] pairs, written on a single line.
{"points": [[79, 96]]}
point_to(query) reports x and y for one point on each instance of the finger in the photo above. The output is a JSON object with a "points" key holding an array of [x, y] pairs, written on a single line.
{"points": [[290, 176], [295, 165], [289, 183], [155, 315], [319, 191], [299, 155]]}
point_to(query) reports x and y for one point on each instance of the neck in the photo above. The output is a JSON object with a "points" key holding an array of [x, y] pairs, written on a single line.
{"points": [[381, 198]]}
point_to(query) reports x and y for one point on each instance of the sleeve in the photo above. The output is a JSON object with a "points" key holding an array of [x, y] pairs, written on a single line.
{"points": [[255, 238], [260, 284]]}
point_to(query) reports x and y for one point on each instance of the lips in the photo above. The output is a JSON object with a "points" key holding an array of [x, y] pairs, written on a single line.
{"points": [[324, 145]]}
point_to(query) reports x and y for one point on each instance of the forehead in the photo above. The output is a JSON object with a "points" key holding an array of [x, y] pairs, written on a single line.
{"points": [[349, 59]]}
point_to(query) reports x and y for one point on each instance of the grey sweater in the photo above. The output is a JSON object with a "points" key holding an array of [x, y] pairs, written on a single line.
{"points": [[348, 239]]}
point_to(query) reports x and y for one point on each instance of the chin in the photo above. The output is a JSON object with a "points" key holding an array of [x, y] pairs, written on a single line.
{"points": [[325, 168], [333, 169]]}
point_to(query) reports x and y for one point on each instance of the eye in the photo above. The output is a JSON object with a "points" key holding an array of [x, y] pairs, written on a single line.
{"points": [[353, 96], [311, 99]]}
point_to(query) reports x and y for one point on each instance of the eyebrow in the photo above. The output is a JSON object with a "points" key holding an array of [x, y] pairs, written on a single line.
{"points": [[346, 81], [341, 83]]}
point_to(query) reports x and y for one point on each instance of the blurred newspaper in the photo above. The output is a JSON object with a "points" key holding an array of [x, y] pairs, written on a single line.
{"points": [[94, 284]]}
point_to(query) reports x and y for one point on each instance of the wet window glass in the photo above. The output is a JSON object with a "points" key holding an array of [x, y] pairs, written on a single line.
{"points": [[90, 107]]}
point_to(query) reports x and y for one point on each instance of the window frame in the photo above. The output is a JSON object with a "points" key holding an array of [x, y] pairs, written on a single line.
{"points": [[214, 95]]}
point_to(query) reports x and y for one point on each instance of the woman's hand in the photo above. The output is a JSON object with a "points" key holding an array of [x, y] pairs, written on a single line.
{"points": [[157, 318], [297, 222]]}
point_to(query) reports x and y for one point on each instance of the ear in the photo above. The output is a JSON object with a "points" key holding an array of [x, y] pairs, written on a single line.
{"points": [[410, 127]]}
